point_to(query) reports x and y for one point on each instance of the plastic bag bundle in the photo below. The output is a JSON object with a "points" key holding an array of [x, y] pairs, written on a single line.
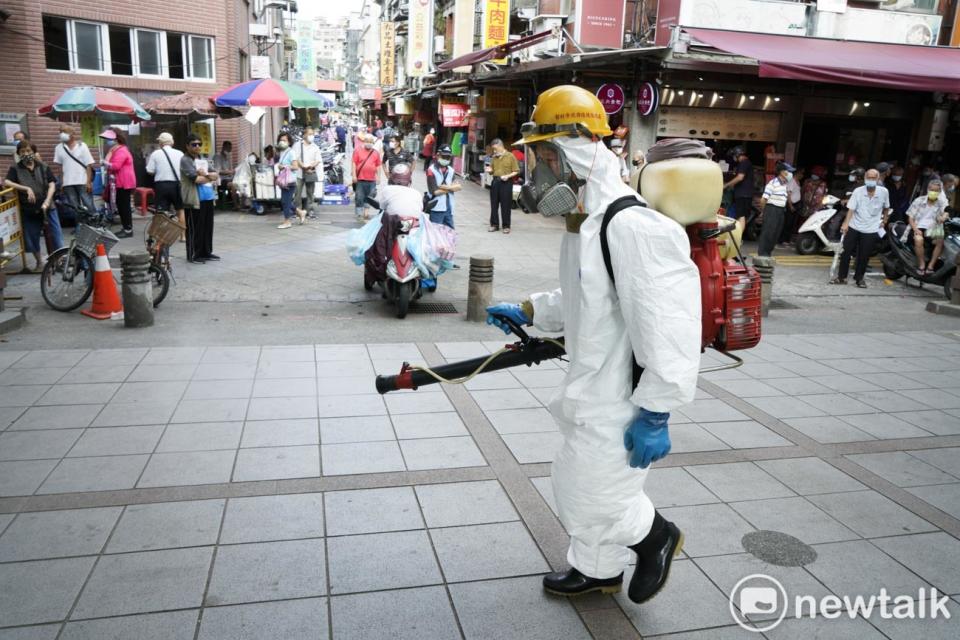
{"points": [[359, 240], [432, 247]]}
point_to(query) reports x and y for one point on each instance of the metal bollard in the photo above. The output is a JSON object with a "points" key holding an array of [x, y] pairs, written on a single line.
{"points": [[765, 266], [137, 290], [480, 287]]}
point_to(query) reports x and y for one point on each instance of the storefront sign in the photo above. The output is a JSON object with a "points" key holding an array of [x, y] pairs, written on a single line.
{"points": [[496, 99], [611, 97], [599, 23], [755, 16], [90, 128], [204, 131], [454, 114], [719, 124], [419, 38], [833, 6], [306, 71], [496, 24], [371, 93], [888, 26], [648, 98], [668, 16], [388, 52], [403, 107], [463, 26], [259, 67]]}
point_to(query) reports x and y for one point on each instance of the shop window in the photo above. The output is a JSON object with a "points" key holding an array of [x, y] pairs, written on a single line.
{"points": [[88, 48], [175, 55], [200, 57], [149, 47], [56, 46], [121, 55]]}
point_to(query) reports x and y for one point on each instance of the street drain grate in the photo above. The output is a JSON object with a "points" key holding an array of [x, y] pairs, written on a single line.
{"points": [[777, 303], [432, 307]]}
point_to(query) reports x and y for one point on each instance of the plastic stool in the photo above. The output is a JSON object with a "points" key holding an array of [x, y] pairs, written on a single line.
{"points": [[143, 195]]}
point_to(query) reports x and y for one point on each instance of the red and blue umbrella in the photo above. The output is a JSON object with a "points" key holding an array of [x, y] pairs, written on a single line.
{"points": [[106, 103], [268, 92]]}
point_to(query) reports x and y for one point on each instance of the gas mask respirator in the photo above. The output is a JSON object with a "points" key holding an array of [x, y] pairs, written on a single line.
{"points": [[545, 191]]}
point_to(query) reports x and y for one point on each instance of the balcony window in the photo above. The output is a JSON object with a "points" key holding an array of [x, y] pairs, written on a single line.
{"points": [[89, 48]]}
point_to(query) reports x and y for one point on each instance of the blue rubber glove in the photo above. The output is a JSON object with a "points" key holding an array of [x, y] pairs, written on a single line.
{"points": [[647, 438], [512, 311]]}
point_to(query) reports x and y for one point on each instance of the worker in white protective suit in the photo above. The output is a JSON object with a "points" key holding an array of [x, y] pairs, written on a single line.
{"points": [[611, 430]]}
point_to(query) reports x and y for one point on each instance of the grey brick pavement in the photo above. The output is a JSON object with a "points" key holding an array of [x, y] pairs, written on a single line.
{"points": [[267, 492]]}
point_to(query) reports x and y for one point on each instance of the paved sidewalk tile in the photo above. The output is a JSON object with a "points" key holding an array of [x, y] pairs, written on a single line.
{"points": [[37, 445], [144, 582], [188, 467], [166, 525], [842, 628], [508, 421], [282, 370], [465, 503], [796, 517], [709, 530], [167, 372], [345, 386], [828, 430], [494, 380], [394, 351], [889, 401], [498, 399], [328, 352], [239, 371], [873, 570], [284, 387], [274, 463], [844, 383], [116, 441], [750, 388], [348, 406], [47, 375], [675, 487], [94, 474], [369, 457], [268, 518], [936, 422], [406, 614], [65, 393], [810, 475], [343, 368], [168, 391], [42, 590], [288, 353], [936, 398], [532, 615], [870, 514], [74, 416], [372, 511], [359, 429], [711, 410], [381, 561], [929, 629], [441, 453], [173, 355], [53, 534], [126, 414], [739, 481], [902, 469], [691, 438], [428, 425], [688, 601], [432, 402], [200, 436], [48, 357], [280, 433], [537, 379], [947, 459], [745, 435], [534, 447], [282, 408], [218, 389], [174, 625], [23, 477], [464, 552], [935, 557], [268, 571], [945, 497], [231, 355], [222, 410], [785, 407], [285, 620]]}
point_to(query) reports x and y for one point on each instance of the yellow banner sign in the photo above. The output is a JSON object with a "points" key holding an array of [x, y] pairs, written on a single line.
{"points": [[388, 52], [496, 24], [204, 132]]}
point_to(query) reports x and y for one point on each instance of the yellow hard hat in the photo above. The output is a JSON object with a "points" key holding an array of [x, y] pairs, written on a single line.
{"points": [[565, 111]]}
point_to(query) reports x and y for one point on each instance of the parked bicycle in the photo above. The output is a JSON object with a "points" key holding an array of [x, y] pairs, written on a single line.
{"points": [[162, 232], [67, 278]]}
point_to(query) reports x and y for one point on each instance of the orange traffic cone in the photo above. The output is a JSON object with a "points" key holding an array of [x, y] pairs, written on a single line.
{"points": [[106, 300]]}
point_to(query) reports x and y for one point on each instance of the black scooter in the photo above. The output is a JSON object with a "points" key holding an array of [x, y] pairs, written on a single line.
{"points": [[900, 259]]}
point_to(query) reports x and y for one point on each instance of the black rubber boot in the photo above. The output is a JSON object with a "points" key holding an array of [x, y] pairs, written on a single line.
{"points": [[573, 583], [655, 553]]}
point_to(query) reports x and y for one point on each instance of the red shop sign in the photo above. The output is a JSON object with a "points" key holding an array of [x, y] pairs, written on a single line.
{"points": [[611, 97], [648, 98], [454, 114]]}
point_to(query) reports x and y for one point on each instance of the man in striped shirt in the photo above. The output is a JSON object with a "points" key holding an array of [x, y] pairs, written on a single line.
{"points": [[774, 207]]}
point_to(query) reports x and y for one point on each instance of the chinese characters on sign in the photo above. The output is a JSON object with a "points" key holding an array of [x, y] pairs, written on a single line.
{"points": [[496, 24], [611, 97], [420, 37], [454, 114], [306, 72], [387, 53], [648, 98], [599, 23]]}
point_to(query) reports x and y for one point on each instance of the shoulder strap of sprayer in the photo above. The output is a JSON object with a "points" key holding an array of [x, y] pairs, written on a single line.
{"points": [[616, 207]]}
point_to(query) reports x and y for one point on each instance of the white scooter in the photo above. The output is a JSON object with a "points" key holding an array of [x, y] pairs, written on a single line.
{"points": [[815, 233]]}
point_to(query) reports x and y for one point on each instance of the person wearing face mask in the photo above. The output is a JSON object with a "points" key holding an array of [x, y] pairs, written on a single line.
{"points": [[899, 195], [119, 164], [867, 211], [619, 150], [637, 164], [950, 191], [394, 154], [773, 203], [35, 186], [504, 168], [925, 214], [366, 165], [164, 165], [76, 165], [286, 179], [613, 425], [442, 184], [429, 144]]}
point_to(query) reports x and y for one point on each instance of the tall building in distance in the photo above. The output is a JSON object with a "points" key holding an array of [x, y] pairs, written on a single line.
{"points": [[330, 35]]}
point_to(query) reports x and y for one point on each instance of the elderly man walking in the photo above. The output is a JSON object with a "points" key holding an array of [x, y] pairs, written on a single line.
{"points": [[867, 211], [76, 162]]}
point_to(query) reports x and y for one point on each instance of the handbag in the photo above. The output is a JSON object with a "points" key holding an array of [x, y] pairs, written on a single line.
{"points": [[309, 175], [936, 231], [285, 176]]}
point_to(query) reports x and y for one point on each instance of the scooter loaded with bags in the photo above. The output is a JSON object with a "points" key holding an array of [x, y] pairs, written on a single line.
{"points": [[901, 259]]}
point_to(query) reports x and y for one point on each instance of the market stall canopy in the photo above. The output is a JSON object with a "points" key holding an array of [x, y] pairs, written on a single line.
{"points": [[499, 51], [109, 105], [897, 66], [187, 105], [268, 92]]}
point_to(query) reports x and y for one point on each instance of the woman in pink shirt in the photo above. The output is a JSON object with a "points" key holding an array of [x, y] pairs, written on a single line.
{"points": [[119, 163]]}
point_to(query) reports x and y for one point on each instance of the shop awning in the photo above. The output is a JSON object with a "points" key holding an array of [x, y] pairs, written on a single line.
{"points": [[492, 53], [898, 66]]}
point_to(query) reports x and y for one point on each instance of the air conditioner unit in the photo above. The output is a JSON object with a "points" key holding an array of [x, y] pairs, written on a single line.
{"points": [[260, 30]]}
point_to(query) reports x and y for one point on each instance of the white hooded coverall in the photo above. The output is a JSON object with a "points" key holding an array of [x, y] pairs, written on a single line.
{"points": [[653, 312]]}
